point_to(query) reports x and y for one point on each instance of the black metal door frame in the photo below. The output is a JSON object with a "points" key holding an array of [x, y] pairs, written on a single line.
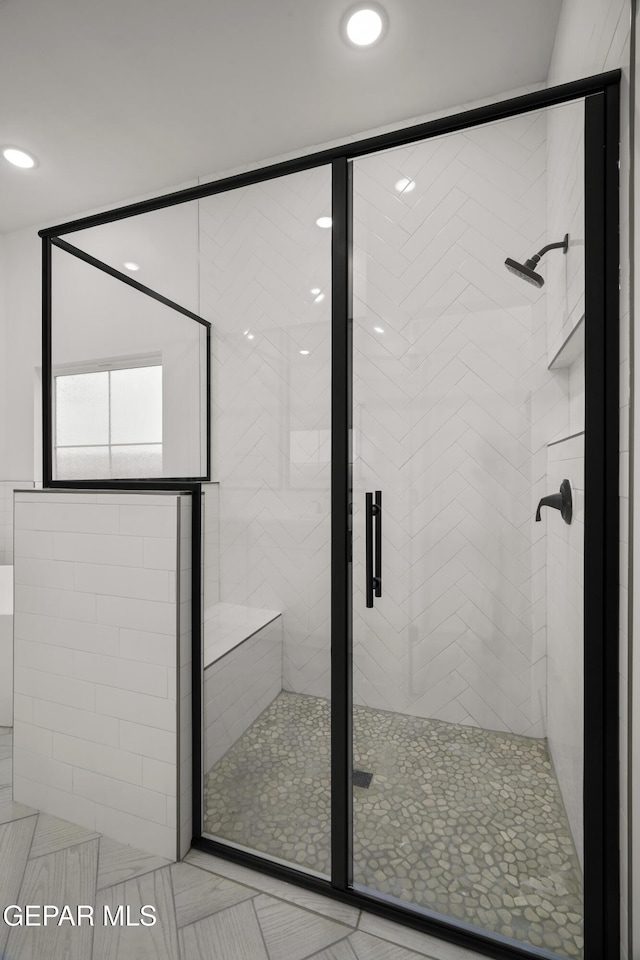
{"points": [[601, 788]]}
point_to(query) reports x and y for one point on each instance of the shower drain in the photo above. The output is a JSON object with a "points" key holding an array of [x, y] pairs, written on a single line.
{"points": [[361, 778]]}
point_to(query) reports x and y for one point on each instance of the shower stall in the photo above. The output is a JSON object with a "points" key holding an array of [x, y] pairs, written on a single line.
{"points": [[404, 682]]}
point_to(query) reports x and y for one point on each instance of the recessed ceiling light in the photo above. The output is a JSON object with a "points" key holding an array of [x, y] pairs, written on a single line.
{"points": [[130, 265], [324, 222], [304, 353], [19, 158], [315, 291], [250, 336], [378, 329], [405, 185], [364, 25], [246, 333], [319, 298]]}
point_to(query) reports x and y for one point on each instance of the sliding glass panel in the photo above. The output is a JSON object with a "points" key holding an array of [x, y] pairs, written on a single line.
{"points": [[266, 288], [468, 413], [129, 379]]}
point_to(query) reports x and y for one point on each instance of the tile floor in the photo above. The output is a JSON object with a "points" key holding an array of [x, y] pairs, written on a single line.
{"points": [[207, 908], [467, 822]]}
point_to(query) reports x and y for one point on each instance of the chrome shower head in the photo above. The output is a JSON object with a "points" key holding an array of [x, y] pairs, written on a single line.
{"points": [[526, 270]]}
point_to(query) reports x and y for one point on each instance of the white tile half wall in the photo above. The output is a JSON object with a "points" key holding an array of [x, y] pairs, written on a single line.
{"points": [[102, 635]]}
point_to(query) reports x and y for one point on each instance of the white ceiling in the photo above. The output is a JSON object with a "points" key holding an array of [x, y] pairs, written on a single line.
{"points": [[120, 98]]}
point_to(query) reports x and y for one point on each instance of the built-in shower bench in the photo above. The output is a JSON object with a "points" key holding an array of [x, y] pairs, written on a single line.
{"points": [[227, 625], [242, 657]]}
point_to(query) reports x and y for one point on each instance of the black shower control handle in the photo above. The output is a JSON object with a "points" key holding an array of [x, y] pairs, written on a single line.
{"points": [[562, 501]]}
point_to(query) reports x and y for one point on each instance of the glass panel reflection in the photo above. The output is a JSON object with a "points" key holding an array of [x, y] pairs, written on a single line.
{"points": [[136, 405], [266, 662], [80, 463], [82, 409], [468, 670], [137, 460], [119, 410], [148, 357]]}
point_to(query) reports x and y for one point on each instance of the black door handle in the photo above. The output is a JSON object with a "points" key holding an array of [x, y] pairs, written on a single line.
{"points": [[368, 547], [377, 512], [373, 511]]}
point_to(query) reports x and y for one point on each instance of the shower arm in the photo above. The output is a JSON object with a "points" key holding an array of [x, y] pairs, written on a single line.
{"points": [[560, 245]]}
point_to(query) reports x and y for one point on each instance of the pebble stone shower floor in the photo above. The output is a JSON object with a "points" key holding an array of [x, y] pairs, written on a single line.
{"points": [[463, 821]]}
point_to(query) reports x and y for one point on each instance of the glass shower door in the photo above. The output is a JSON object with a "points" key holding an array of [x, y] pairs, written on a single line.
{"points": [[468, 677], [265, 283]]}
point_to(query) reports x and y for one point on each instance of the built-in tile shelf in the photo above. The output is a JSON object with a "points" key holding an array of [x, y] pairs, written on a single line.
{"points": [[569, 436], [571, 349]]}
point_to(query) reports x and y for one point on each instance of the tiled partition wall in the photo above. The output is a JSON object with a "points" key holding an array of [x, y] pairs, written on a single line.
{"points": [[452, 404], [184, 599], [565, 544], [565, 650], [594, 36], [262, 255], [102, 641]]}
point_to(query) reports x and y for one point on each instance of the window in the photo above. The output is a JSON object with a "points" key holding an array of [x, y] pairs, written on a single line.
{"points": [[108, 423]]}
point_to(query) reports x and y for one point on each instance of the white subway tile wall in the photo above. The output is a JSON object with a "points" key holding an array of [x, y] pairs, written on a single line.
{"points": [[99, 636], [180, 678]]}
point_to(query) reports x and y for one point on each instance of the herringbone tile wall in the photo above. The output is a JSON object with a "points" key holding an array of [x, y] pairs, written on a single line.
{"points": [[564, 275], [262, 255], [453, 409]]}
